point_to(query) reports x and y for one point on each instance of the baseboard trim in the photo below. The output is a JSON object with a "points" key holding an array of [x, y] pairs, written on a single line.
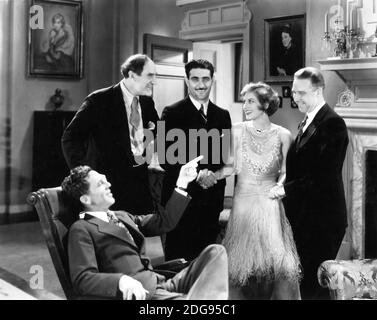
{"points": [[15, 208], [18, 217]]}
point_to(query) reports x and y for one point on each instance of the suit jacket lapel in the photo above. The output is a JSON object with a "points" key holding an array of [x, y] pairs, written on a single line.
{"points": [[120, 114], [193, 113], [312, 128], [136, 234], [121, 121], [111, 229], [210, 110]]}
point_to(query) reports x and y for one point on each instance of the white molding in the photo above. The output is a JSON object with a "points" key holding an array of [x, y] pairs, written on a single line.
{"points": [[363, 124], [186, 2], [352, 70], [215, 21], [357, 113], [348, 64]]}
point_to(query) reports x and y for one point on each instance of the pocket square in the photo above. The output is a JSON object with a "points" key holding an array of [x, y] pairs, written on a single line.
{"points": [[151, 125]]}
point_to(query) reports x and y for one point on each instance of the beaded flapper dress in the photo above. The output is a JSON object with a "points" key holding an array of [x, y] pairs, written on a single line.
{"points": [[259, 238]]}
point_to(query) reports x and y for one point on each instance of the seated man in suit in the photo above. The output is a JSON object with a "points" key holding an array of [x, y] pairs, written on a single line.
{"points": [[106, 249]]}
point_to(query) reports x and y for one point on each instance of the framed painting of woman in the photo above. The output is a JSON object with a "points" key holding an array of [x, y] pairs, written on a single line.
{"points": [[55, 48], [284, 47]]}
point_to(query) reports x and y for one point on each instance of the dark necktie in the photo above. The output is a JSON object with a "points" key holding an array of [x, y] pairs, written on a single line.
{"points": [[134, 120], [201, 110], [114, 220], [300, 130]]}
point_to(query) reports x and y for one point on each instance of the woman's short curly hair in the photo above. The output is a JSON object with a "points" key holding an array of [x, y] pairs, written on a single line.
{"points": [[59, 17], [267, 97], [76, 184]]}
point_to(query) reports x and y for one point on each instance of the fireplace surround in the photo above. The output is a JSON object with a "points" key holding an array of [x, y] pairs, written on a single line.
{"points": [[358, 107]]}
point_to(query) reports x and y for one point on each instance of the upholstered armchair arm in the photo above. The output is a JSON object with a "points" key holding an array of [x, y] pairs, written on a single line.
{"points": [[349, 279]]}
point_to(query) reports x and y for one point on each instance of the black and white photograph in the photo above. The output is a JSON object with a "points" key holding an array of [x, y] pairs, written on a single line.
{"points": [[211, 151], [286, 91]]}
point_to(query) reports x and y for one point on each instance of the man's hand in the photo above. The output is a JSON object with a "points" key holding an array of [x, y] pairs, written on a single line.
{"points": [[277, 192], [188, 172], [132, 288], [206, 179]]}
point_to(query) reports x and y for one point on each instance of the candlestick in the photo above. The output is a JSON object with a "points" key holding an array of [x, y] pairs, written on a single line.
{"points": [[351, 19], [326, 22], [354, 18], [358, 19]]}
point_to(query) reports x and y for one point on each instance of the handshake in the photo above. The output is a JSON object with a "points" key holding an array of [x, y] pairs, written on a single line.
{"points": [[206, 178]]}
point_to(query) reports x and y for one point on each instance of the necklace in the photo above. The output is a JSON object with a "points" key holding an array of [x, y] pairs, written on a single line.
{"points": [[260, 130]]}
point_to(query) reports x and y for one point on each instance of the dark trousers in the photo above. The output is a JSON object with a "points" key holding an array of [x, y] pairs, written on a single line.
{"points": [[314, 247], [132, 193], [198, 228], [206, 278]]}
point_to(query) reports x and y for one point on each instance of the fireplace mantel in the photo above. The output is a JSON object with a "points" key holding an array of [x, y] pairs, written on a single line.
{"points": [[358, 104], [352, 69]]}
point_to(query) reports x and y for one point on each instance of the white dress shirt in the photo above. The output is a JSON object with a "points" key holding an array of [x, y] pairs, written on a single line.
{"points": [[139, 134], [198, 105], [102, 215]]}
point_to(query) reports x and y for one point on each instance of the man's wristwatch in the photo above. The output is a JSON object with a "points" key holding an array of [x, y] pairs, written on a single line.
{"points": [[181, 188]]}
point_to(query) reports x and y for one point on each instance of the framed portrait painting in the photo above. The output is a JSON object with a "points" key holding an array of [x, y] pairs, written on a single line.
{"points": [[55, 39], [284, 47]]}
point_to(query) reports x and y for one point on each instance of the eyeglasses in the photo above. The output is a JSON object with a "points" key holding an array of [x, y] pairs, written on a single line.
{"points": [[302, 93]]}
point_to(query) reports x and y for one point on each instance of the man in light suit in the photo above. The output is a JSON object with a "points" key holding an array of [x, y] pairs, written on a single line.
{"points": [[314, 193], [199, 225], [106, 249], [107, 134]]}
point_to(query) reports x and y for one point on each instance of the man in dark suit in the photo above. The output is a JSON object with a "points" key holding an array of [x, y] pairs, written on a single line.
{"points": [[314, 193], [108, 130], [199, 225], [106, 249]]}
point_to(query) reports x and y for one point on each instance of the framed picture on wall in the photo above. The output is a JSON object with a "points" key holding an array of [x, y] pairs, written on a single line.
{"points": [[55, 39], [284, 47], [293, 104], [280, 102]]}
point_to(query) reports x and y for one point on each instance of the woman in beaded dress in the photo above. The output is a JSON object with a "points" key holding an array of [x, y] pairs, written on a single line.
{"points": [[263, 260]]}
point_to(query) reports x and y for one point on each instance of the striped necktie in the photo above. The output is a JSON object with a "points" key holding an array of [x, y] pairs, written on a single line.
{"points": [[114, 220], [201, 110], [300, 130], [134, 121]]}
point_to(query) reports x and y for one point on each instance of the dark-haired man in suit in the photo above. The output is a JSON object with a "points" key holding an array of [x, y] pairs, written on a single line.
{"points": [[314, 193], [106, 249], [108, 130], [199, 225]]}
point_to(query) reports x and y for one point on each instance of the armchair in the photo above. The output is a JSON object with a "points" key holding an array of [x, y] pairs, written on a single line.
{"points": [[349, 279], [55, 216], [54, 211]]}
